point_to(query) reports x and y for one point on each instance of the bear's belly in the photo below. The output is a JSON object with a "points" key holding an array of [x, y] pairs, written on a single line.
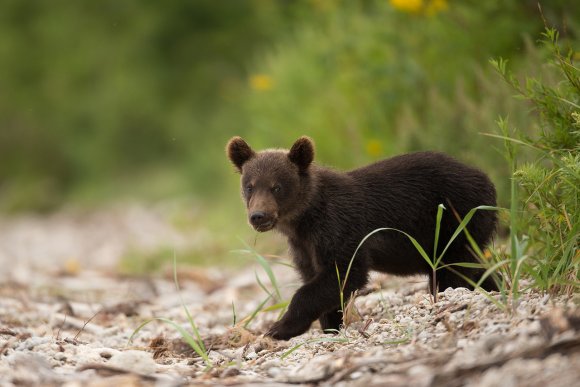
{"points": [[400, 261]]}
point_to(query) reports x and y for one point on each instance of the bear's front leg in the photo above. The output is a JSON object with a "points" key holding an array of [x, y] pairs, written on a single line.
{"points": [[286, 328], [319, 297], [304, 308]]}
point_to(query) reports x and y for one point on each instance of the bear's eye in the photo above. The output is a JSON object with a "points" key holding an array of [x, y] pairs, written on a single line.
{"points": [[249, 189], [276, 188]]}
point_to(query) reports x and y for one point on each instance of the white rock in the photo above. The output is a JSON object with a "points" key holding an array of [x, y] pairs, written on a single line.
{"points": [[274, 372], [32, 342], [419, 369], [269, 364], [60, 356], [135, 361], [496, 378]]}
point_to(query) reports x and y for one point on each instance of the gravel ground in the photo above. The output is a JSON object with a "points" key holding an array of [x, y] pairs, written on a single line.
{"points": [[72, 327]]}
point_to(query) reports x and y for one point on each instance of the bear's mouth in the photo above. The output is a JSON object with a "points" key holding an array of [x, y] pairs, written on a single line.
{"points": [[265, 226]]}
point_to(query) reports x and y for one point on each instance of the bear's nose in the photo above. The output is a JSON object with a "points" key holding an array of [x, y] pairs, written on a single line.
{"points": [[257, 218]]}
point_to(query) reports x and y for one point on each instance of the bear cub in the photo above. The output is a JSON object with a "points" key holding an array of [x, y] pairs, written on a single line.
{"points": [[325, 214]]}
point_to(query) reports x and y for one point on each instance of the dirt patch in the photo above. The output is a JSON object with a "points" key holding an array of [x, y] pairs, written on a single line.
{"points": [[57, 329]]}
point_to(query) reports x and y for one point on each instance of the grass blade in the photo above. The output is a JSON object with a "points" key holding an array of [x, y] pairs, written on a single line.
{"points": [[189, 339], [413, 241], [268, 269], [278, 306], [189, 318], [259, 281], [234, 313], [440, 209], [340, 286], [461, 226], [249, 319]]}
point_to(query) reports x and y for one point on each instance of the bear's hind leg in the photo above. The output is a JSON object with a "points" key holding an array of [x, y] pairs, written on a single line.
{"points": [[448, 279], [331, 321], [455, 276]]}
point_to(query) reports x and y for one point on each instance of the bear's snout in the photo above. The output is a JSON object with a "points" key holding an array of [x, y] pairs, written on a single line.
{"points": [[262, 221]]}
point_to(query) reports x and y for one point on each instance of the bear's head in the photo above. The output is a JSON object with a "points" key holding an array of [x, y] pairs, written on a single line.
{"points": [[274, 182]]}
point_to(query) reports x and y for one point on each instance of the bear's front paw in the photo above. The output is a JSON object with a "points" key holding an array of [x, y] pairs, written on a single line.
{"points": [[285, 330]]}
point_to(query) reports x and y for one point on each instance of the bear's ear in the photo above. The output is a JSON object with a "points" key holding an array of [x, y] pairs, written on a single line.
{"points": [[302, 153], [239, 152]]}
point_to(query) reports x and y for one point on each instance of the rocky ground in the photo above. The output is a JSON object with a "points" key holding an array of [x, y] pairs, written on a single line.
{"points": [[68, 322]]}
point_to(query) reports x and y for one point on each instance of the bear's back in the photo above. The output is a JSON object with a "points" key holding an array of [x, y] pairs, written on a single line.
{"points": [[424, 173], [411, 186]]}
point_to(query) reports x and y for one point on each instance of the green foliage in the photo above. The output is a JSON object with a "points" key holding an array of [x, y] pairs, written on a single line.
{"points": [[368, 81], [551, 182], [98, 93], [108, 99]]}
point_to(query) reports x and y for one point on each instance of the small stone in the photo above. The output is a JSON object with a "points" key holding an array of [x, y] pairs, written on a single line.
{"points": [[315, 370], [106, 354], [424, 335], [135, 361], [405, 320], [492, 341], [419, 369], [274, 372], [60, 356], [32, 342], [229, 372], [495, 377], [269, 364]]}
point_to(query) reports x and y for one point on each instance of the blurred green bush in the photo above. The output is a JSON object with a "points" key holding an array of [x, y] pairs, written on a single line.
{"points": [[95, 96], [372, 79], [550, 204], [109, 99]]}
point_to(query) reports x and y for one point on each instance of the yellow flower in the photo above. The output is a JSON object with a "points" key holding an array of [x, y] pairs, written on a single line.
{"points": [[410, 6], [374, 148], [430, 7], [261, 82]]}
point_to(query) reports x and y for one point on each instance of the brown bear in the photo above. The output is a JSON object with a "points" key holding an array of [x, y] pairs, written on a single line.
{"points": [[325, 214]]}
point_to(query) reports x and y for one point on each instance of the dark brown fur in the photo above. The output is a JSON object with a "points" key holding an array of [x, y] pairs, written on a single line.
{"points": [[325, 214]]}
